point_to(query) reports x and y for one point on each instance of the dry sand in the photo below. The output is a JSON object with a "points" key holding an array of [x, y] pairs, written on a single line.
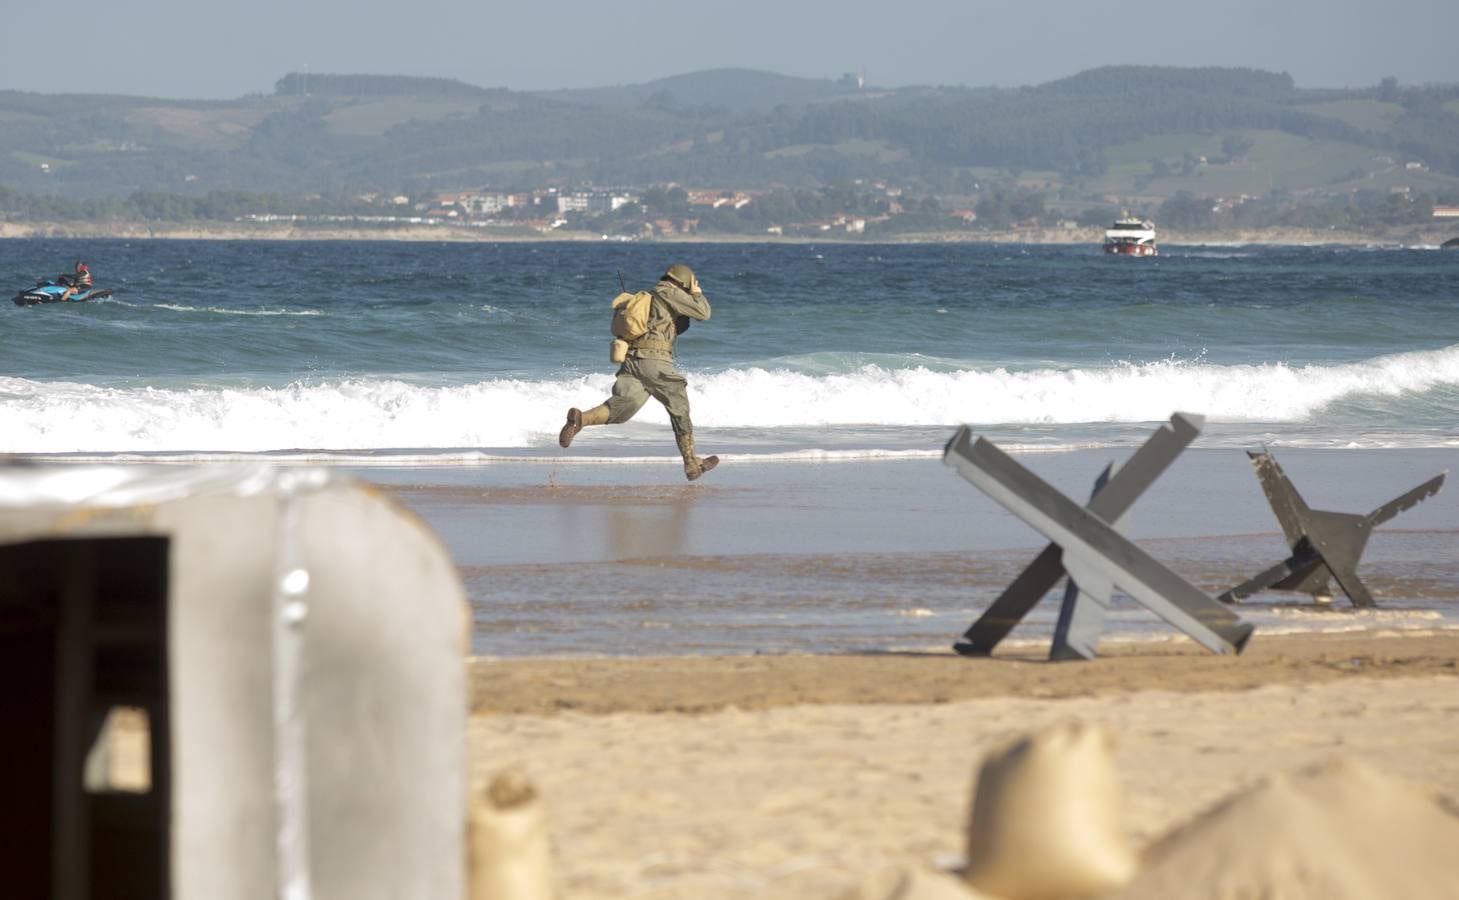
{"points": [[798, 776]]}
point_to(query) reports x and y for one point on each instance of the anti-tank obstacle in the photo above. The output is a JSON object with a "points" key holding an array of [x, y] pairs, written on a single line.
{"points": [[1086, 545], [1326, 546], [1109, 501]]}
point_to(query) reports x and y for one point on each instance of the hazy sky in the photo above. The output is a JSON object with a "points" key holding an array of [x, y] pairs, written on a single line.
{"points": [[210, 49]]}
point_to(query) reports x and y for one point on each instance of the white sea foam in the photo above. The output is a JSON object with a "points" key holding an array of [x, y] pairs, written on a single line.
{"points": [[373, 414], [1271, 621], [1268, 392], [227, 311]]}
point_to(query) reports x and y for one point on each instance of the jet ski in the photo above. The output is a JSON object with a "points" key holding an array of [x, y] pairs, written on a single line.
{"points": [[52, 292]]}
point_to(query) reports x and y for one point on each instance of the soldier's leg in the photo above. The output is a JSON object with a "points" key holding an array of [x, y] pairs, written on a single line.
{"points": [[694, 465], [577, 419], [629, 396], [671, 389]]}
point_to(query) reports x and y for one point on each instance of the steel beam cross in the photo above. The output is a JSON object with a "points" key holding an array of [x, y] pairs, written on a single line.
{"points": [[1086, 545], [1326, 546]]}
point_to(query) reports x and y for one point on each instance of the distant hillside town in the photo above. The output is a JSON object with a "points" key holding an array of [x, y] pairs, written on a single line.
{"points": [[740, 152], [658, 212]]}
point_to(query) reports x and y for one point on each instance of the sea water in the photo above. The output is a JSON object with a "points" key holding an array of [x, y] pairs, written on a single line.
{"points": [[437, 348], [828, 378]]}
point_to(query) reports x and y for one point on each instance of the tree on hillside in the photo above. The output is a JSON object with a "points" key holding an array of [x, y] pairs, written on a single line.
{"points": [[662, 201], [1186, 210], [1002, 207], [1097, 215], [1234, 146]]}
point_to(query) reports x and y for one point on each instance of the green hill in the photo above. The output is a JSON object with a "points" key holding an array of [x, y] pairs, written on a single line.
{"points": [[727, 90], [1126, 131], [1138, 81]]}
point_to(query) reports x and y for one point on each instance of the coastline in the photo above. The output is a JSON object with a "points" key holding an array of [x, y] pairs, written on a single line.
{"points": [[454, 234]]}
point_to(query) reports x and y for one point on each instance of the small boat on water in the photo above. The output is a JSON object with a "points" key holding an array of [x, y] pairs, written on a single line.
{"points": [[51, 292], [1131, 236], [1450, 244]]}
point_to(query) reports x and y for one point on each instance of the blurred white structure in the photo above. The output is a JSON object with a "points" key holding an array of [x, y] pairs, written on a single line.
{"points": [[296, 644]]}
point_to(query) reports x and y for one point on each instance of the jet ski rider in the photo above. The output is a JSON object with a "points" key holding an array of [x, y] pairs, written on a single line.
{"points": [[77, 282]]}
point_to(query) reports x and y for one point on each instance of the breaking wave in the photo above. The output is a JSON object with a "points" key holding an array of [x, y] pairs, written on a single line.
{"points": [[1127, 392], [1417, 391]]}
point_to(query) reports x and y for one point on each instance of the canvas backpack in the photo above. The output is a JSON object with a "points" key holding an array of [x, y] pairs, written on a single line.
{"points": [[630, 314]]}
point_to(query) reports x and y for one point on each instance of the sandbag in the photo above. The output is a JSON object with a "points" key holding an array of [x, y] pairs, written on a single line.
{"points": [[509, 850], [1046, 818], [1338, 831]]}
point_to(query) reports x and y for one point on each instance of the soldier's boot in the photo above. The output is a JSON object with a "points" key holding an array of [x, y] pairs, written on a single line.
{"points": [[577, 420], [694, 466]]}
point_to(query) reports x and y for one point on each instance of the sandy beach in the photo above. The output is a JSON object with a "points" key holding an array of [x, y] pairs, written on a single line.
{"points": [[799, 776], [637, 660]]}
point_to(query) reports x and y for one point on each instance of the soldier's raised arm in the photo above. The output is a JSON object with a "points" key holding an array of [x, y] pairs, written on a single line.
{"points": [[689, 300], [696, 308]]}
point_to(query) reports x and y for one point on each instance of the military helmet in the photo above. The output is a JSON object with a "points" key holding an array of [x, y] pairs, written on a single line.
{"points": [[681, 274]]}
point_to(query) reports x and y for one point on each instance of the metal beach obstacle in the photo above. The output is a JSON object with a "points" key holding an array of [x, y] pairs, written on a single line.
{"points": [[1086, 546], [1326, 546]]}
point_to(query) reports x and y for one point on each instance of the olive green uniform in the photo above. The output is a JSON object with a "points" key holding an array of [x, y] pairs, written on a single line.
{"points": [[649, 369]]}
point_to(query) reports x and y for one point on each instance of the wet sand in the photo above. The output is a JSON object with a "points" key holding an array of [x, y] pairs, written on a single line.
{"points": [[798, 776], [622, 558]]}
